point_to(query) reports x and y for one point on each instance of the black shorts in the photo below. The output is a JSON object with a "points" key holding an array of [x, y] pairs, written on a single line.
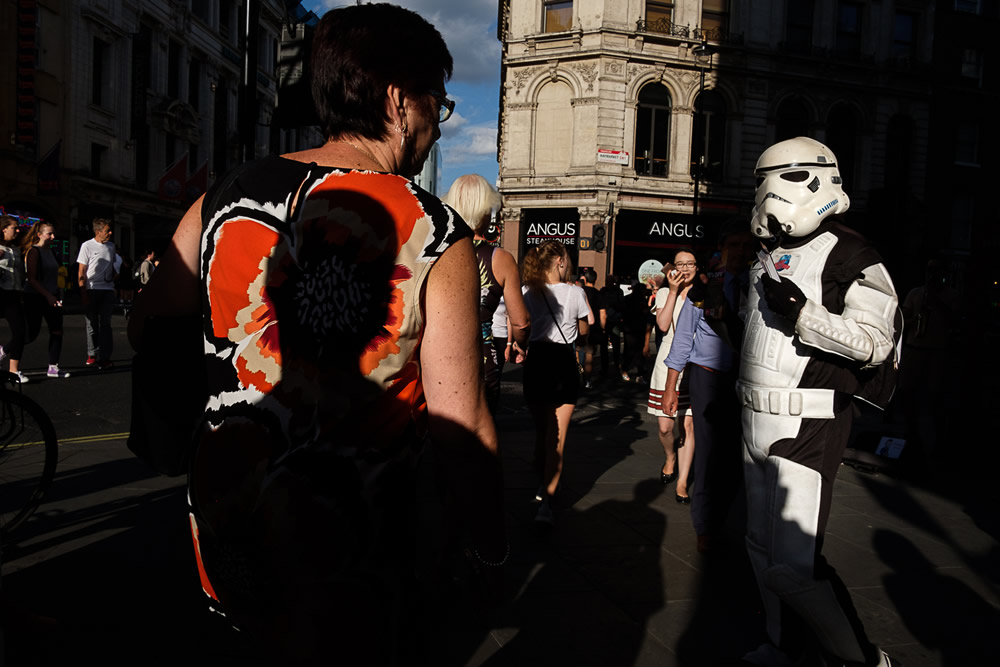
{"points": [[550, 374]]}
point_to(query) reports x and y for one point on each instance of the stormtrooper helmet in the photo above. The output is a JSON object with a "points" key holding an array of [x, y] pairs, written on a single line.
{"points": [[798, 186]]}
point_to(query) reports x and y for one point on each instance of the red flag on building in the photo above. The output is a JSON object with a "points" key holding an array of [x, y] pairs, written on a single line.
{"points": [[172, 181], [197, 184]]}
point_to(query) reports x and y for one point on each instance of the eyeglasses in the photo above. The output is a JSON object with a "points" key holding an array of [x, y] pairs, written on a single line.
{"points": [[686, 265], [445, 106]]}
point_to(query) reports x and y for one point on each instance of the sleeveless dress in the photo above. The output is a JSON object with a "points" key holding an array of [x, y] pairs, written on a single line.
{"points": [[658, 380], [301, 485], [490, 293]]}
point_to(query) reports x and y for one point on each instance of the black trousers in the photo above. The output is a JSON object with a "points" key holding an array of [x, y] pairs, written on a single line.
{"points": [[718, 454]]}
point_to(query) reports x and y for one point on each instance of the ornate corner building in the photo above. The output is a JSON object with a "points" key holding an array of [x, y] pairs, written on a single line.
{"points": [[647, 116]]}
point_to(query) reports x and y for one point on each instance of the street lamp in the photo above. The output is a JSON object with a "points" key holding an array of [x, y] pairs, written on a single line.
{"points": [[703, 54]]}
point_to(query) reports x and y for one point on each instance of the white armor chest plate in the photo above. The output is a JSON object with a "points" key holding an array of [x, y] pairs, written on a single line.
{"points": [[771, 356]]}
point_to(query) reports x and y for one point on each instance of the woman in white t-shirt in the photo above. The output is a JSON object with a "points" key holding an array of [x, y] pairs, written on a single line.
{"points": [[669, 299], [559, 315]]}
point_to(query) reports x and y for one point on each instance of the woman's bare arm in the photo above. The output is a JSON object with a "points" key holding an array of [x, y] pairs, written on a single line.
{"points": [[459, 419], [519, 322]]}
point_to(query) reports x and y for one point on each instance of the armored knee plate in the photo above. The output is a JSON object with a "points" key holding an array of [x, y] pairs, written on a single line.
{"points": [[783, 515]]}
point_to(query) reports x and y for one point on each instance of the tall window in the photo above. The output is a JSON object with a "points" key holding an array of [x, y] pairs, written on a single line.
{"points": [[714, 18], [792, 120], [227, 20], [194, 83], [799, 25], [843, 130], [652, 130], [657, 10], [100, 93], [848, 40], [898, 148], [972, 64], [558, 15], [553, 129], [174, 70], [708, 143], [904, 31], [967, 144], [97, 153]]}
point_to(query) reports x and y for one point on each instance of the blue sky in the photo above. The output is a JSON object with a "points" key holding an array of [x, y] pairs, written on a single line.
{"points": [[469, 27]]}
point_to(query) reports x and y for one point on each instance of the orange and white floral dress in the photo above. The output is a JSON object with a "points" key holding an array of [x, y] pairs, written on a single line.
{"points": [[311, 284]]}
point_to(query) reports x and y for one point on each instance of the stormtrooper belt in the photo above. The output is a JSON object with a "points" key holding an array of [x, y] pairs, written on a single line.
{"points": [[802, 403]]}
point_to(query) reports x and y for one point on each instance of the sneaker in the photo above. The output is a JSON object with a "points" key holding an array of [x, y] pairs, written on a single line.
{"points": [[544, 514], [54, 372], [21, 377], [91, 361], [105, 365]]}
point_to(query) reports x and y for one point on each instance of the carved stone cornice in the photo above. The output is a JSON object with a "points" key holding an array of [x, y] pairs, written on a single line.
{"points": [[584, 101]]}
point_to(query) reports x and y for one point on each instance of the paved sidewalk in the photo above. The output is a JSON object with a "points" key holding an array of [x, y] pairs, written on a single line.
{"points": [[619, 581], [106, 574]]}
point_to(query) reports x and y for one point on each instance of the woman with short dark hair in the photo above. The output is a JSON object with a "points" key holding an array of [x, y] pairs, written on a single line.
{"points": [[339, 310]]}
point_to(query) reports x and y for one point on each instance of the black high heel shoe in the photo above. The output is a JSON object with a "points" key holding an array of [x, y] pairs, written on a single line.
{"points": [[683, 500], [666, 479]]}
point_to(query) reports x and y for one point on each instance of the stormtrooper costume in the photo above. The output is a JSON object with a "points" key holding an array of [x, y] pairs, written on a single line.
{"points": [[812, 337]]}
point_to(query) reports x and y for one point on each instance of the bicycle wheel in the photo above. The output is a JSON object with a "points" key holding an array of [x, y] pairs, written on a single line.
{"points": [[28, 453]]}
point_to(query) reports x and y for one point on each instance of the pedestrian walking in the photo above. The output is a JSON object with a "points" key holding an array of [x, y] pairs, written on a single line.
{"points": [[42, 299], [559, 314], [11, 297], [96, 273]]}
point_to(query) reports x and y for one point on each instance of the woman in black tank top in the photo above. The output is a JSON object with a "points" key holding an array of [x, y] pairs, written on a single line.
{"points": [[475, 200]]}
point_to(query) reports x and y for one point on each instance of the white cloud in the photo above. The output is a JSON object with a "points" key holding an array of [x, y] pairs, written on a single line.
{"points": [[468, 28], [470, 143]]}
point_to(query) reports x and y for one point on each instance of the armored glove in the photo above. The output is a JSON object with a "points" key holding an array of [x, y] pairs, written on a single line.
{"points": [[783, 297]]}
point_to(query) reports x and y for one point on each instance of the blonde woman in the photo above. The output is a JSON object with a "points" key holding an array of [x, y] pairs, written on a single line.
{"points": [[475, 200], [669, 299], [559, 314]]}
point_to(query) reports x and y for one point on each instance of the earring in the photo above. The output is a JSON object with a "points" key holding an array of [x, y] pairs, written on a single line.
{"points": [[402, 135]]}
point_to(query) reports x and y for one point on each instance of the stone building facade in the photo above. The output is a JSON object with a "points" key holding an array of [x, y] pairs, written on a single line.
{"points": [[128, 110], [649, 115]]}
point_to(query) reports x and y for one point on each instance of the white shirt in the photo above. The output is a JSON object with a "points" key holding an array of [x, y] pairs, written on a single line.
{"points": [[567, 302], [99, 258]]}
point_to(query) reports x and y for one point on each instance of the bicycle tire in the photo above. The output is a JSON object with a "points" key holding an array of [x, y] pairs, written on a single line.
{"points": [[28, 454]]}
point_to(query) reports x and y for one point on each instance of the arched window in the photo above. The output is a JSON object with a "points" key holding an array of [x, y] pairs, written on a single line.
{"points": [[792, 120], [553, 129], [708, 143], [898, 152], [652, 128], [842, 131]]}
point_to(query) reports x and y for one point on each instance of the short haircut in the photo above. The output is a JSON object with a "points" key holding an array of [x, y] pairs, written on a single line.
{"points": [[6, 221], [100, 223], [474, 199], [590, 275], [358, 51]]}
